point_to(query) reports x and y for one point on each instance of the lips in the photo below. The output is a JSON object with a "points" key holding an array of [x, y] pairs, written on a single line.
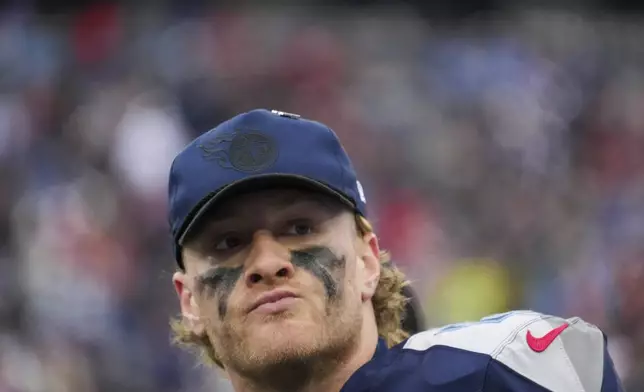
{"points": [[272, 297]]}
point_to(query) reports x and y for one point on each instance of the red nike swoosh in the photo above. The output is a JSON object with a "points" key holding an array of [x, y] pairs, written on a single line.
{"points": [[542, 343]]}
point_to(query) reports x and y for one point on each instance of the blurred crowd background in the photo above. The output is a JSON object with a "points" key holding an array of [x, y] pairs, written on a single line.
{"points": [[501, 150]]}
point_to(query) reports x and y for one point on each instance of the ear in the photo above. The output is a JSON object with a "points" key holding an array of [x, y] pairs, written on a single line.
{"points": [[188, 302], [370, 256]]}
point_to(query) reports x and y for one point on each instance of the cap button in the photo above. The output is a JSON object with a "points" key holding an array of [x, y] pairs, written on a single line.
{"points": [[286, 114]]}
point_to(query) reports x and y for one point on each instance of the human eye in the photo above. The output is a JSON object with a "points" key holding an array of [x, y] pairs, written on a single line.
{"points": [[300, 228], [227, 242]]}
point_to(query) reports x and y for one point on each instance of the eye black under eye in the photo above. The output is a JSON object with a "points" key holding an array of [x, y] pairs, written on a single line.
{"points": [[210, 278]]}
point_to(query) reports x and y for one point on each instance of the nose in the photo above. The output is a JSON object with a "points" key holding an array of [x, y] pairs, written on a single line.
{"points": [[268, 261]]}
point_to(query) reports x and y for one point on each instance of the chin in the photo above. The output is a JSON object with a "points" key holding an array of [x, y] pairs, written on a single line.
{"points": [[286, 337], [286, 328], [280, 344]]}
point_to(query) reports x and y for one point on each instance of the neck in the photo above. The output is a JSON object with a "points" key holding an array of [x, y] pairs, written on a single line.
{"points": [[315, 375]]}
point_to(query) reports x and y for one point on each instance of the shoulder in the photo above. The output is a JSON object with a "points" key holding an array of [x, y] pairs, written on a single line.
{"points": [[512, 330], [556, 353], [519, 351]]}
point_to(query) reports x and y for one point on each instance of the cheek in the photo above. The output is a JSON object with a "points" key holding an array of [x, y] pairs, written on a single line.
{"points": [[217, 307], [348, 281], [357, 281], [346, 274], [208, 308], [219, 284], [351, 272]]}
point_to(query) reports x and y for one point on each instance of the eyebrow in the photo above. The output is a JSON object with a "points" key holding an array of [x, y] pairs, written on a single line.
{"points": [[283, 203]]}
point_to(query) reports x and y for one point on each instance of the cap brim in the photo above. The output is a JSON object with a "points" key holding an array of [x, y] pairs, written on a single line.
{"points": [[253, 184]]}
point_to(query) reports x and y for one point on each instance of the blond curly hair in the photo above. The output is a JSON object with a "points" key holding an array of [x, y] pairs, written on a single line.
{"points": [[388, 304]]}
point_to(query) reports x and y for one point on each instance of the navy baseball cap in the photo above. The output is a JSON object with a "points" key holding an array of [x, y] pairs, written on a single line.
{"points": [[255, 150]]}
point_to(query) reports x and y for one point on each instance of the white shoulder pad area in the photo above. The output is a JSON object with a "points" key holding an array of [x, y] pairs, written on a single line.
{"points": [[560, 354], [485, 336]]}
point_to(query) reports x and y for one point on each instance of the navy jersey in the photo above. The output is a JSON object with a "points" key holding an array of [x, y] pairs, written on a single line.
{"points": [[517, 351]]}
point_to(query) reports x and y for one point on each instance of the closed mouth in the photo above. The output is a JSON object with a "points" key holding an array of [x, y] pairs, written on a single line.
{"points": [[272, 296]]}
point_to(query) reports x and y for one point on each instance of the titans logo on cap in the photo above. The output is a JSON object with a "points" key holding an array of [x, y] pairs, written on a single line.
{"points": [[244, 151]]}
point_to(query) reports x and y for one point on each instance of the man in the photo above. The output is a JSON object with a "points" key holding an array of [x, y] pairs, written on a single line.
{"points": [[282, 283]]}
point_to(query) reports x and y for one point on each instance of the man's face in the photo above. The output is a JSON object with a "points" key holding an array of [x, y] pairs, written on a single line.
{"points": [[278, 276]]}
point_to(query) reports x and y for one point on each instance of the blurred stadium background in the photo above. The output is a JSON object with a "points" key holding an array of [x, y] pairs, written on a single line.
{"points": [[501, 145]]}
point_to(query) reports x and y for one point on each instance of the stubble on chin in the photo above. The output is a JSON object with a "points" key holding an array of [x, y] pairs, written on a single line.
{"points": [[284, 348]]}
